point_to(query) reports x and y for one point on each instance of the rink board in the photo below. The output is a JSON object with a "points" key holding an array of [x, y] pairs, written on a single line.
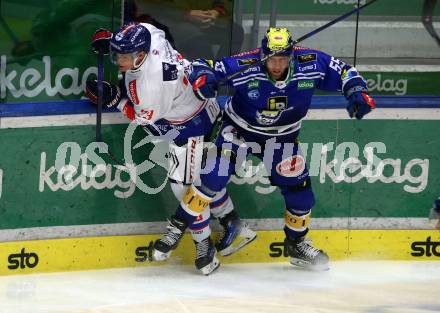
{"points": [[129, 251], [28, 171]]}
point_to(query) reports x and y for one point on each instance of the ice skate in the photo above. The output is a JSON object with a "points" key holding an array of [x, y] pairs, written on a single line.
{"points": [[206, 262], [303, 254], [236, 234], [164, 246]]}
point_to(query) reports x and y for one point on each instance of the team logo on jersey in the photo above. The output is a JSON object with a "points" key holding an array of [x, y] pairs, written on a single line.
{"points": [[268, 117], [147, 114], [292, 166], [306, 84], [133, 92], [244, 62], [280, 84], [169, 71], [304, 58], [253, 94], [253, 84], [277, 103]]}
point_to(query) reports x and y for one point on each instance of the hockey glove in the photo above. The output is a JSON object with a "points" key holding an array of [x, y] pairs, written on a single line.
{"points": [[101, 41], [203, 81], [359, 104], [111, 94]]}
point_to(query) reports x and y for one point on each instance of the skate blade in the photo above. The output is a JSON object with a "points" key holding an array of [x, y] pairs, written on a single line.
{"points": [[160, 256], [309, 266], [245, 237], [211, 267]]}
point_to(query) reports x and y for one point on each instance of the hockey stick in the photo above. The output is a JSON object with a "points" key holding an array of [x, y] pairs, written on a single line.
{"points": [[99, 107], [302, 38], [99, 100], [356, 35], [99, 104], [428, 9]]}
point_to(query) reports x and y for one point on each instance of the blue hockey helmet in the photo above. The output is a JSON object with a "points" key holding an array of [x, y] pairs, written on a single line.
{"points": [[277, 39], [130, 39]]}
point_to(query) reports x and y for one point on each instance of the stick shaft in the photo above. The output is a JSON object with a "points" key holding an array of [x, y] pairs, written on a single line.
{"points": [[100, 92], [336, 20]]}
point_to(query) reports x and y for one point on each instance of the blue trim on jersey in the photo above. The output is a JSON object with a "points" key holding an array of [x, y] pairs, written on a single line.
{"points": [[318, 102]]}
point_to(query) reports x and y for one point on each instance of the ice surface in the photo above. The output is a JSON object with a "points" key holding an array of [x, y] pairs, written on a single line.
{"points": [[367, 287]]}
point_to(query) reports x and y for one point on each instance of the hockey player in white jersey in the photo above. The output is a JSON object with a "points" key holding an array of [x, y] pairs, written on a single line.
{"points": [[156, 92]]}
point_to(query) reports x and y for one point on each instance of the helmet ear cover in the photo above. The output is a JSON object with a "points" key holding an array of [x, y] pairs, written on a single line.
{"points": [[135, 56]]}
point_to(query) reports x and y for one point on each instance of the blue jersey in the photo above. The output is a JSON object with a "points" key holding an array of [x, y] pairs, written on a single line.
{"points": [[265, 106]]}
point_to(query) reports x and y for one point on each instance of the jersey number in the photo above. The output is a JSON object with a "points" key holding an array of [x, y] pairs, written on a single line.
{"points": [[336, 65]]}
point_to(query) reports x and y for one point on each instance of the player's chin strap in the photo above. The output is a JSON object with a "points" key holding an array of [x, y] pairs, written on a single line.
{"points": [[135, 56], [302, 38]]}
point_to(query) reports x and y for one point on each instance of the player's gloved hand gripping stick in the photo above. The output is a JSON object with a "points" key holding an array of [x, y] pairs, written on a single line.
{"points": [[99, 91], [101, 46]]}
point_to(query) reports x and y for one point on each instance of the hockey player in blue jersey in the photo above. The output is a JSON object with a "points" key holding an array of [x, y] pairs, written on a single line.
{"points": [[264, 117]]}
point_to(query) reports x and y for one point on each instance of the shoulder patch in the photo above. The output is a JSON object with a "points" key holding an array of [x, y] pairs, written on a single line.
{"points": [[133, 92], [169, 71], [244, 62], [304, 58]]}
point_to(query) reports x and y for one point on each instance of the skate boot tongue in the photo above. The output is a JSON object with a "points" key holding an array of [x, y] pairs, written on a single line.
{"points": [[303, 254], [206, 262]]}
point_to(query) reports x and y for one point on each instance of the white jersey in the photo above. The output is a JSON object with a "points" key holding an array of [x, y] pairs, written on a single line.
{"points": [[159, 88]]}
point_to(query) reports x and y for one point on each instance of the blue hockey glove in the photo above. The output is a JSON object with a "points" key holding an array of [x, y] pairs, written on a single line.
{"points": [[359, 104], [111, 94], [204, 82], [101, 41]]}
